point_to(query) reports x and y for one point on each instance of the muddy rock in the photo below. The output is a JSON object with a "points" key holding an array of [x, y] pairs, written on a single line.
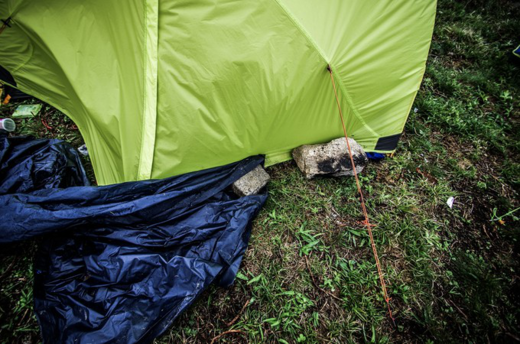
{"points": [[330, 158], [251, 183]]}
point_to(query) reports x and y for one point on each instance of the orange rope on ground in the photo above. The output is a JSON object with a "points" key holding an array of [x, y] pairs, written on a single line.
{"points": [[362, 200]]}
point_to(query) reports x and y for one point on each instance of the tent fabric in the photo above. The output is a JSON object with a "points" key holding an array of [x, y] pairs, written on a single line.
{"points": [[119, 263], [164, 87]]}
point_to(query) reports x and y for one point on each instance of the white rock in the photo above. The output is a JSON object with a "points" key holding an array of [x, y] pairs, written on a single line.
{"points": [[330, 158], [251, 183]]}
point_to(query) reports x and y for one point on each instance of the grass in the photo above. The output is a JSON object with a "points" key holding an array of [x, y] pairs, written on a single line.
{"points": [[309, 274]]}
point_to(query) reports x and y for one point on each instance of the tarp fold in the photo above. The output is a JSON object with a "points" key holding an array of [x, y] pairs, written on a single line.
{"points": [[119, 263]]}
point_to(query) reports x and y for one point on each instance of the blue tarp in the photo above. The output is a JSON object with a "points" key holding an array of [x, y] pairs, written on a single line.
{"points": [[124, 260], [27, 165]]}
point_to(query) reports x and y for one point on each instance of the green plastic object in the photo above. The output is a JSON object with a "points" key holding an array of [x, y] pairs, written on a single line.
{"points": [[27, 111], [164, 87]]}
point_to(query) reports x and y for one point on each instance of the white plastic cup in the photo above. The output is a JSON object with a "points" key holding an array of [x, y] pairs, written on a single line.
{"points": [[7, 124]]}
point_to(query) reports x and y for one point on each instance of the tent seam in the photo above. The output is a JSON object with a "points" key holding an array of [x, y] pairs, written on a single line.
{"points": [[302, 30], [144, 87], [144, 168], [324, 56]]}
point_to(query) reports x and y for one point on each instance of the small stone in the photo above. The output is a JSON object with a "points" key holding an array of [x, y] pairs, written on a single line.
{"points": [[330, 158], [251, 183], [83, 150]]}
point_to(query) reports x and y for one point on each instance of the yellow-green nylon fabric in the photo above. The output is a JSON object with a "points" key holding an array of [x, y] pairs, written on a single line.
{"points": [[87, 59], [378, 50], [164, 87]]}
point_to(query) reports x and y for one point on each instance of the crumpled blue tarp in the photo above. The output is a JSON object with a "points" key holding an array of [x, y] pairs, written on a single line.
{"points": [[119, 263], [27, 164]]}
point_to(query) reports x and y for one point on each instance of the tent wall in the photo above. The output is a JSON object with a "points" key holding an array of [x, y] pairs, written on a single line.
{"points": [[87, 60], [172, 86], [378, 50]]}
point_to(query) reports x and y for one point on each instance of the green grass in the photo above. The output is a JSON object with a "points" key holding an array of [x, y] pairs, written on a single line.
{"points": [[309, 275]]}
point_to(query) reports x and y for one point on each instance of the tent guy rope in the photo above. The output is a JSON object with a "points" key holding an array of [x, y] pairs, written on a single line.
{"points": [[5, 24], [366, 222]]}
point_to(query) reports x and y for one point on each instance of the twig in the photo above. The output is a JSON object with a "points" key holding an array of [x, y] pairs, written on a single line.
{"points": [[513, 336], [232, 322], [224, 333], [458, 309], [23, 317], [316, 285], [7, 271]]}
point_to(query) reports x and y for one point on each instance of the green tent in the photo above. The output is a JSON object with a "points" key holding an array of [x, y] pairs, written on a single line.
{"points": [[163, 87]]}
